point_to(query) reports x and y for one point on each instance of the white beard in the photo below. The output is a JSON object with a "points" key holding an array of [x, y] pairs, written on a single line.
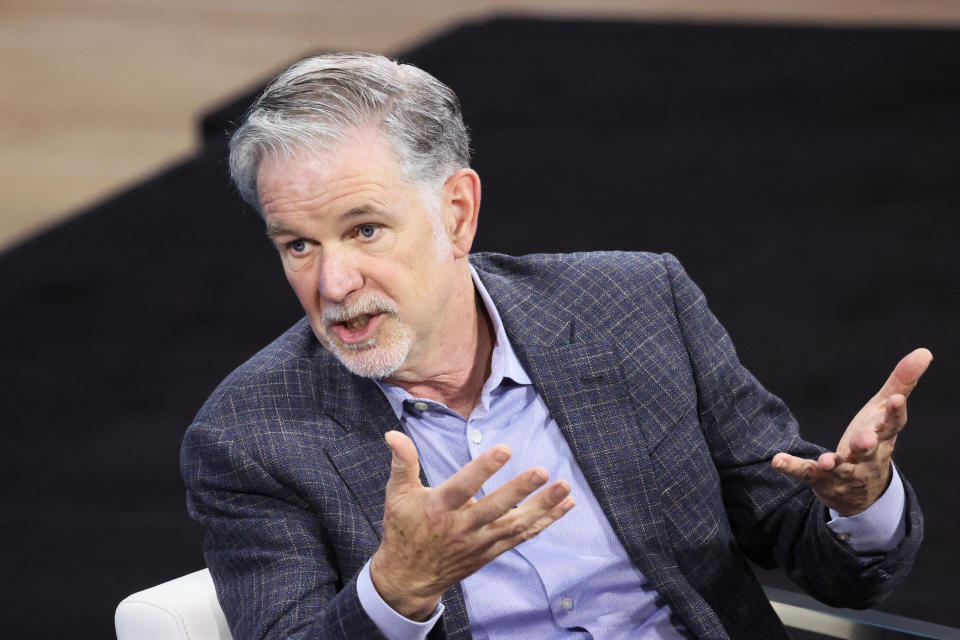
{"points": [[377, 357]]}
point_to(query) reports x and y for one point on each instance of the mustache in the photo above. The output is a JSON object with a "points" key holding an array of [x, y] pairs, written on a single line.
{"points": [[346, 311]]}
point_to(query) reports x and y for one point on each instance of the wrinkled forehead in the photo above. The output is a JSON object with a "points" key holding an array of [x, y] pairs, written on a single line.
{"points": [[364, 150], [364, 157], [331, 188]]}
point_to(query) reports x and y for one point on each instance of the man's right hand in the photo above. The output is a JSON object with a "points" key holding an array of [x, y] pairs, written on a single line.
{"points": [[434, 537]]}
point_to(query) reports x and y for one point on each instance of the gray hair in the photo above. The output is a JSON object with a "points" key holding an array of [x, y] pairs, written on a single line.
{"points": [[321, 101]]}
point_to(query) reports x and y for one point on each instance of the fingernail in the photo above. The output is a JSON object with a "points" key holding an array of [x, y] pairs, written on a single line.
{"points": [[501, 455]]}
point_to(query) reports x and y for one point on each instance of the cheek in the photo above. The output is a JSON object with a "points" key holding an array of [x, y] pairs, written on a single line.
{"points": [[303, 286], [426, 287], [413, 272], [297, 264]]}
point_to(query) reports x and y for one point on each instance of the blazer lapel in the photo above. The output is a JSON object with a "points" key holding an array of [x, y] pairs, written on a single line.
{"points": [[360, 454], [362, 459], [582, 386]]}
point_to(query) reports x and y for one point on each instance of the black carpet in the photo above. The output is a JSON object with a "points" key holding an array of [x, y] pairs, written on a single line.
{"points": [[806, 177]]}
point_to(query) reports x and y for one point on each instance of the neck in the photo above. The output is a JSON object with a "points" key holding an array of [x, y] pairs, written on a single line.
{"points": [[461, 362]]}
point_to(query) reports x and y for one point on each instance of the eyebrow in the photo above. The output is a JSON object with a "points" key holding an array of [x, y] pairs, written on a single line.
{"points": [[368, 209], [358, 211], [275, 229]]}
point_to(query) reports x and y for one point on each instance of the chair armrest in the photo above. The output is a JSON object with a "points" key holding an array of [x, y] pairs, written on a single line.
{"points": [[798, 611], [182, 609]]}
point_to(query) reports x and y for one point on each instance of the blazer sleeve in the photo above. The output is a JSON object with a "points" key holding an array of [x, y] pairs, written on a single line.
{"points": [[274, 571], [776, 519]]}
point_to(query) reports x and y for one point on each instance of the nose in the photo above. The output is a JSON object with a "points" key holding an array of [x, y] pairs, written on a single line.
{"points": [[339, 276]]}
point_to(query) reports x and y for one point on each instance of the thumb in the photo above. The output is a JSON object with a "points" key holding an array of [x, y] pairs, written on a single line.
{"points": [[405, 465]]}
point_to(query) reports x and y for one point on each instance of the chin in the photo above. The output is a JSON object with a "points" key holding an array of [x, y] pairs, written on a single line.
{"points": [[379, 357], [374, 362]]}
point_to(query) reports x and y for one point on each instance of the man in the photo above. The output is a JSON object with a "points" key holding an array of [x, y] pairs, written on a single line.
{"points": [[523, 387]]}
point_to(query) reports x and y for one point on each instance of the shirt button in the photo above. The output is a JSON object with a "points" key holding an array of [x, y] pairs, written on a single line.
{"points": [[567, 604], [420, 406], [475, 436], [843, 536]]}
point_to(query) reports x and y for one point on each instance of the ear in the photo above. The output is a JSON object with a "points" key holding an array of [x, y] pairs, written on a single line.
{"points": [[462, 206]]}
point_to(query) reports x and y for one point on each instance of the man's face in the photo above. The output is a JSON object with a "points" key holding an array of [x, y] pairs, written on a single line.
{"points": [[369, 261]]}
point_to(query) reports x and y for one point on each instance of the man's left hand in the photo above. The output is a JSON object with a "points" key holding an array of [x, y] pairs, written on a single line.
{"points": [[855, 477]]}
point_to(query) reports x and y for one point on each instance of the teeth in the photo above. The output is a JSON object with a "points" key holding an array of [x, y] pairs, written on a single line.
{"points": [[358, 323]]}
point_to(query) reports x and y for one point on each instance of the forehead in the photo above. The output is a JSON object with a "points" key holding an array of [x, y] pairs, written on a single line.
{"points": [[362, 162]]}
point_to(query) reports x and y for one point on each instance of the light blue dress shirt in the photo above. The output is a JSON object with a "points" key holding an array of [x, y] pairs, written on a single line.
{"points": [[574, 580]]}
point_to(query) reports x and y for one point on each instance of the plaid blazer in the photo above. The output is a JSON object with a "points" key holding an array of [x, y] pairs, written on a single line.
{"points": [[286, 465]]}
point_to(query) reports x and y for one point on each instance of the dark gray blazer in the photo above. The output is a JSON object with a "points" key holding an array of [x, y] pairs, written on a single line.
{"points": [[286, 465]]}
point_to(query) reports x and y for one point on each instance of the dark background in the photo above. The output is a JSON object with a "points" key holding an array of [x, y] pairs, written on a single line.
{"points": [[806, 177]]}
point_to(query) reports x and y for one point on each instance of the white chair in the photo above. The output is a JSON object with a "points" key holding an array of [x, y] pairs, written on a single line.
{"points": [[181, 609], [187, 609]]}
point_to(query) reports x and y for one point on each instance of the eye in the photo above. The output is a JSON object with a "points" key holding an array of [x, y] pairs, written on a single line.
{"points": [[367, 231], [297, 246]]}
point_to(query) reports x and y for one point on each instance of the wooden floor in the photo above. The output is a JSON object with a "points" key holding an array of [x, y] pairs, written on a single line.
{"points": [[97, 94]]}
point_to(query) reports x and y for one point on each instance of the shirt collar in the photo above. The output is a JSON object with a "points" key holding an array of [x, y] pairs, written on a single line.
{"points": [[504, 363], [509, 364]]}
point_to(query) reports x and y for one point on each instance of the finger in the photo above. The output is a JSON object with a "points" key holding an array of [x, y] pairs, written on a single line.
{"points": [[522, 532], [906, 374], [526, 515], [828, 460], [861, 447], [894, 417], [864, 443], [808, 471], [465, 483], [501, 501], [405, 465], [836, 465]]}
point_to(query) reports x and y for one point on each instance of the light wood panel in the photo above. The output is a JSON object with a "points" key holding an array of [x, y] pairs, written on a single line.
{"points": [[97, 94]]}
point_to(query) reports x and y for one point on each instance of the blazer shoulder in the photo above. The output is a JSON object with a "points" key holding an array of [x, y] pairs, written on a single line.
{"points": [[552, 265], [276, 371], [596, 279]]}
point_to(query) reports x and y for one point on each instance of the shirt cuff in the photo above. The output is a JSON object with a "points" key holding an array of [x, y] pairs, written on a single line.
{"points": [[391, 624], [881, 527]]}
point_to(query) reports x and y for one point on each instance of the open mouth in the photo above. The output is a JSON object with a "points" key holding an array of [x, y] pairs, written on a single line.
{"points": [[357, 329], [357, 323]]}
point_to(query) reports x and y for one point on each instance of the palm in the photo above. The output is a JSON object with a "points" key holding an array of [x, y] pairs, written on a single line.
{"points": [[857, 474]]}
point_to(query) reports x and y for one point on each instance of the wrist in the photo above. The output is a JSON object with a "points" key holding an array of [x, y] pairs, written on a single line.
{"points": [[401, 599]]}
